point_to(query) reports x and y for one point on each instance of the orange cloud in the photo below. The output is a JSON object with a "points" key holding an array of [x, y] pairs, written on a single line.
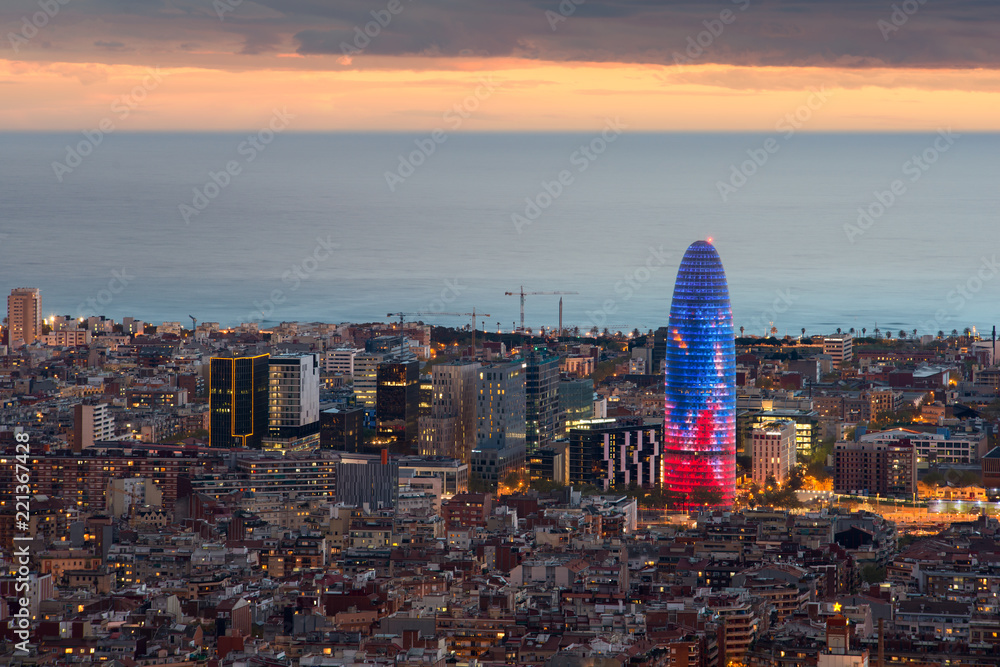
{"points": [[414, 95]]}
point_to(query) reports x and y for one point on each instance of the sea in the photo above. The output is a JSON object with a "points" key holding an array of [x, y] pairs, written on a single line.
{"points": [[816, 231]]}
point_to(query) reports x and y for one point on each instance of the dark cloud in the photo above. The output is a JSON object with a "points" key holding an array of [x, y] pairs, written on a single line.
{"points": [[851, 33]]}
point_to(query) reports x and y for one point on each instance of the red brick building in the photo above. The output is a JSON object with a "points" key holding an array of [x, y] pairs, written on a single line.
{"points": [[467, 510]]}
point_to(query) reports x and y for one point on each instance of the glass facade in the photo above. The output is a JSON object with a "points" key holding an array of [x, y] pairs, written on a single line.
{"points": [[238, 396], [699, 428]]}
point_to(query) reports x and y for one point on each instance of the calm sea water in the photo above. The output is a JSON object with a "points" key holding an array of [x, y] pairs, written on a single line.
{"points": [[444, 239]]}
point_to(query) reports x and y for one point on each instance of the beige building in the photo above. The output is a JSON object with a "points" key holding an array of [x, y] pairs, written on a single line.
{"points": [[24, 316], [773, 451], [838, 346]]}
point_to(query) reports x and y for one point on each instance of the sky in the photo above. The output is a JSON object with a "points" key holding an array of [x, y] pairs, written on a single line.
{"points": [[522, 65]]}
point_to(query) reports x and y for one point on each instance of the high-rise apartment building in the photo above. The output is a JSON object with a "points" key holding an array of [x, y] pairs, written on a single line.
{"points": [[773, 451], [615, 453], [699, 429], [882, 468], [541, 392], [24, 316], [293, 401], [500, 416], [450, 430], [238, 400], [91, 423]]}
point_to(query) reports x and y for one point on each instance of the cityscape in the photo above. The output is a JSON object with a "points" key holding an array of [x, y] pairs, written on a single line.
{"points": [[535, 333], [394, 492]]}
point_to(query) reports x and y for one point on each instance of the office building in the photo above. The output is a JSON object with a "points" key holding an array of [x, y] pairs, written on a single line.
{"points": [[340, 361], [238, 399], [368, 480], [450, 430], [24, 316], [807, 427], [91, 423], [616, 453], [541, 393], [366, 378], [838, 347], [340, 429], [699, 431], [773, 451], [576, 403], [397, 405], [293, 402], [388, 345], [454, 474], [500, 415]]}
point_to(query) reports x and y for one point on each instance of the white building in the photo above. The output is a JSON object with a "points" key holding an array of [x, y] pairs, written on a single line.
{"points": [[340, 361], [91, 423], [838, 347], [773, 451], [941, 447], [293, 401]]}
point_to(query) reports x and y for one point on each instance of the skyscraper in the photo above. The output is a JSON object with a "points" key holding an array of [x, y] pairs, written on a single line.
{"points": [[24, 316], [293, 401], [541, 391], [699, 427], [238, 401], [500, 413], [397, 409]]}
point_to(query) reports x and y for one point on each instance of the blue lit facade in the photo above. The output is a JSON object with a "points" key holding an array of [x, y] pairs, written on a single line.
{"points": [[699, 426]]}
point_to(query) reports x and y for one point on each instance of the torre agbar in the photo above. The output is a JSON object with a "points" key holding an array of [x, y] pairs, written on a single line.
{"points": [[699, 423]]}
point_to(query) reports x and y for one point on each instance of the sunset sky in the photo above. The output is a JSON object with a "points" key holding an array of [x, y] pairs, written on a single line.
{"points": [[658, 66]]}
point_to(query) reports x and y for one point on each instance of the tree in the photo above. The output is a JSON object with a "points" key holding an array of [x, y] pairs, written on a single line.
{"points": [[838, 329], [864, 330], [872, 574], [477, 484], [902, 334], [803, 332], [741, 332], [851, 331], [705, 497]]}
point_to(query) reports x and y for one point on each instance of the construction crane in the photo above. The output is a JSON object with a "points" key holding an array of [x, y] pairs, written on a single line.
{"points": [[472, 315], [523, 294]]}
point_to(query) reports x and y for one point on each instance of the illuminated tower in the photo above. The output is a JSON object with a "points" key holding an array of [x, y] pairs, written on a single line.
{"points": [[699, 427], [238, 395]]}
